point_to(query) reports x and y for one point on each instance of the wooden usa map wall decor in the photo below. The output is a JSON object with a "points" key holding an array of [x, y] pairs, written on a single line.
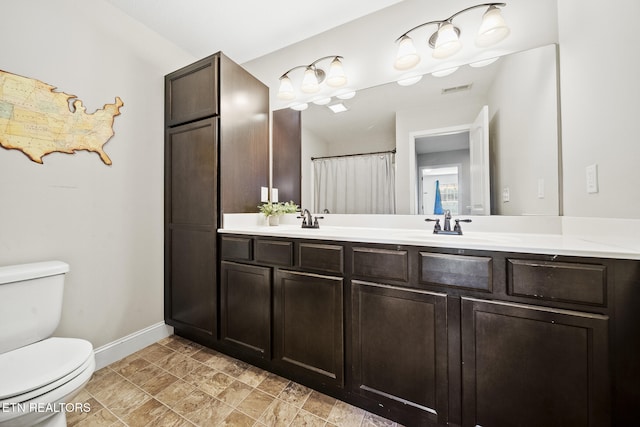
{"points": [[38, 121]]}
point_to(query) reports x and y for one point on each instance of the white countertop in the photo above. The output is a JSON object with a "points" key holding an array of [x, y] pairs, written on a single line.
{"points": [[623, 247]]}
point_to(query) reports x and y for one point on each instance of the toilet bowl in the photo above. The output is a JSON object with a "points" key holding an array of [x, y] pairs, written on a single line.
{"points": [[39, 374]]}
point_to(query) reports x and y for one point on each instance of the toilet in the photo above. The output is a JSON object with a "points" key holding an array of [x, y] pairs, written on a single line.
{"points": [[39, 374]]}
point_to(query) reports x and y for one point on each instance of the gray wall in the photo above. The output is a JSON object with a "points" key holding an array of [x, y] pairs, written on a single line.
{"points": [[524, 96], [105, 221], [600, 104]]}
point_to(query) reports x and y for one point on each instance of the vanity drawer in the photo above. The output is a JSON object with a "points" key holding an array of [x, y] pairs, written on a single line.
{"points": [[274, 252], [236, 248], [381, 264], [327, 258], [558, 281], [463, 271]]}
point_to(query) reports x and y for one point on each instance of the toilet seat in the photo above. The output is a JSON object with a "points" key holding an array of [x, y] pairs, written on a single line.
{"points": [[36, 369]]}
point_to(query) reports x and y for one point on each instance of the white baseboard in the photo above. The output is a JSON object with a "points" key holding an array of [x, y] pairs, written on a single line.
{"points": [[116, 350]]}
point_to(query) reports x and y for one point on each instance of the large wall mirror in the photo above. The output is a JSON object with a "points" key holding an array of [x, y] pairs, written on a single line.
{"points": [[481, 140]]}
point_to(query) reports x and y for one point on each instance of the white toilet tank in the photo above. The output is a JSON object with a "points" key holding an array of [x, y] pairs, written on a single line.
{"points": [[30, 302]]}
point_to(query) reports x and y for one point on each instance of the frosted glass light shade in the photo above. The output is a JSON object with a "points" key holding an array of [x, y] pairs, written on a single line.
{"points": [[286, 91], [299, 107], [447, 43], [336, 76], [346, 94], [408, 81], [444, 73], [322, 101], [493, 28], [310, 81], [407, 56]]}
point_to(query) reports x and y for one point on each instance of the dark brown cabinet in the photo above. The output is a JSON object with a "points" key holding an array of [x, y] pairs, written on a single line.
{"points": [[245, 307], [190, 234], [533, 366], [434, 336], [208, 133], [399, 349], [308, 327]]}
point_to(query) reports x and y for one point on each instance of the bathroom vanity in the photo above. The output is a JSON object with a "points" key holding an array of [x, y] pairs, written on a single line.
{"points": [[474, 331]]}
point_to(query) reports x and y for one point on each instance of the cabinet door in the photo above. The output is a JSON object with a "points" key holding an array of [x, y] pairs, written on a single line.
{"points": [[399, 346], [245, 307], [308, 328], [533, 366], [191, 222], [191, 92]]}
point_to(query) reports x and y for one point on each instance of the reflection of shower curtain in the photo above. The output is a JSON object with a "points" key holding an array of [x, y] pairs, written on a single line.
{"points": [[363, 184]]}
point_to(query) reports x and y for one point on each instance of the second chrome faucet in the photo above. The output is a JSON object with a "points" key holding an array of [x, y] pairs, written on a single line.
{"points": [[309, 221]]}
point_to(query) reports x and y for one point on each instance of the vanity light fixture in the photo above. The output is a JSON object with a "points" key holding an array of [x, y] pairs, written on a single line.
{"points": [[313, 77], [445, 42]]}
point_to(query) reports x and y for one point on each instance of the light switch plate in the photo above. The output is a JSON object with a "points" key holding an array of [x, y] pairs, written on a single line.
{"points": [[505, 194], [592, 178], [274, 195], [540, 188], [264, 194]]}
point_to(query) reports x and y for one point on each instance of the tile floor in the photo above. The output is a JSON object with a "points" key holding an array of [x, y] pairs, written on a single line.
{"points": [[176, 382]]}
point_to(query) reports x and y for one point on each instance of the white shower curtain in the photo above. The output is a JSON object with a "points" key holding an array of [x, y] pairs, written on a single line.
{"points": [[363, 184]]}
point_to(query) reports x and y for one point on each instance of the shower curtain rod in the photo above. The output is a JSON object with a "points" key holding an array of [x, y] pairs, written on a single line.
{"points": [[352, 155]]}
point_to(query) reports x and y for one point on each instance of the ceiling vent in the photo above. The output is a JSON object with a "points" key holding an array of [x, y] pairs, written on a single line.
{"points": [[456, 88]]}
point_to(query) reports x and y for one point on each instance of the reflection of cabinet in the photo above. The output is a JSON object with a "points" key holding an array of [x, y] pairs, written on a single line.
{"points": [[539, 366], [400, 348], [208, 133], [287, 150], [308, 329]]}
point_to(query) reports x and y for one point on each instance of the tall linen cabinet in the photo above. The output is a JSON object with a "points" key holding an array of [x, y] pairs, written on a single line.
{"points": [[216, 161]]}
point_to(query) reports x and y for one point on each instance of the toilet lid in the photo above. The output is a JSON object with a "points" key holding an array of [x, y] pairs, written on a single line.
{"points": [[36, 365]]}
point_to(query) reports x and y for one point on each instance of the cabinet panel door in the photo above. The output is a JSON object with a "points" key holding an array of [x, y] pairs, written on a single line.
{"points": [[245, 307], [533, 366], [191, 157], [308, 328], [191, 221], [399, 347], [190, 297], [191, 92]]}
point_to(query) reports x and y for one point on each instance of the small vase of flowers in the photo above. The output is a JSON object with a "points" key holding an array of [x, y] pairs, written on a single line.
{"points": [[272, 211]]}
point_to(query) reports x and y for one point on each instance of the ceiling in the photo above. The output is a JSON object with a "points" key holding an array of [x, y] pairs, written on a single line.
{"points": [[243, 29], [270, 37]]}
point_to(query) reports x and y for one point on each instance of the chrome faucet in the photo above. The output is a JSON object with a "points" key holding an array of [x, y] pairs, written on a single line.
{"points": [[447, 220], [308, 221], [457, 229]]}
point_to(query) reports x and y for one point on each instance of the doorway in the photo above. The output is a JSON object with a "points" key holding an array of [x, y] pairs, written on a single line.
{"points": [[443, 180], [465, 145]]}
